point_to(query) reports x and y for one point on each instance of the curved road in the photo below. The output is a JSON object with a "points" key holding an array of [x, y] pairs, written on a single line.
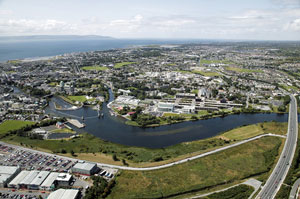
{"points": [[281, 169]]}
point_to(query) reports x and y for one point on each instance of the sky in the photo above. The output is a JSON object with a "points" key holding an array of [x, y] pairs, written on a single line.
{"points": [[172, 19]]}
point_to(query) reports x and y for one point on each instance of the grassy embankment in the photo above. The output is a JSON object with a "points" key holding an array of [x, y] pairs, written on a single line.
{"points": [[227, 167], [89, 147], [238, 192], [96, 68], [120, 65], [243, 70]]}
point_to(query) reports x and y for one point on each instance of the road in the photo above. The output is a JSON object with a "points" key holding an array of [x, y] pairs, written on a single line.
{"points": [[281, 169], [155, 167], [294, 189]]}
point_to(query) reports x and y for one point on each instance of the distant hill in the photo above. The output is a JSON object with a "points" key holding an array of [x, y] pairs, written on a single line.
{"points": [[54, 37]]}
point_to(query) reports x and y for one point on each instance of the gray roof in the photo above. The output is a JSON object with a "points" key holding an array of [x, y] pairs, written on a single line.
{"points": [[19, 178], [29, 178], [64, 194], [40, 178], [4, 177], [8, 169], [84, 166], [50, 179]]}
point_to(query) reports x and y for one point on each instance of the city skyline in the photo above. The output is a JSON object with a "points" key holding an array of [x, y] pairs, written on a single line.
{"points": [[255, 20]]}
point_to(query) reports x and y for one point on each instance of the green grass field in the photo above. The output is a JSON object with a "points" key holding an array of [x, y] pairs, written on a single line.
{"points": [[11, 125], [80, 98], [286, 87], [64, 130], [243, 70], [232, 165], [97, 68], [255, 130], [122, 64], [204, 61], [207, 74]]}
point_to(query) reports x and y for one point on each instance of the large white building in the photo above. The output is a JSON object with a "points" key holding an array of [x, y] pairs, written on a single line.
{"points": [[16, 181], [64, 194], [7, 173], [28, 179], [49, 182], [38, 180], [85, 168]]}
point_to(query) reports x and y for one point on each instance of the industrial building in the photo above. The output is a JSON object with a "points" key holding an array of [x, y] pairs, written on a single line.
{"points": [[7, 173], [64, 194], [85, 168], [16, 181], [49, 182], [64, 179], [38, 180], [28, 179]]}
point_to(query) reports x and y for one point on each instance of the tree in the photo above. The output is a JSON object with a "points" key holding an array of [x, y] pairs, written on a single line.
{"points": [[115, 158]]}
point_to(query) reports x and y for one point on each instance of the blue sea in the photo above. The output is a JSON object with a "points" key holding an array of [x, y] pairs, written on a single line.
{"points": [[21, 49]]}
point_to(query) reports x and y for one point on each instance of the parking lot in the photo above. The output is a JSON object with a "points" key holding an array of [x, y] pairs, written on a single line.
{"points": [[107, 173], [5, 193], [30, 160]]}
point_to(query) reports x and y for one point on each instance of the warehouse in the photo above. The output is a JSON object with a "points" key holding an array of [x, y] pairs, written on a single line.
{"points": [[49, 182], [38, 180], [16, 181], [64, 194], [28, 179], [85, 168], [7, 173]]}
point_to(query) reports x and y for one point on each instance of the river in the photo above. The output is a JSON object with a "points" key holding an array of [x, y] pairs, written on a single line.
{"points": [[114, 129]]}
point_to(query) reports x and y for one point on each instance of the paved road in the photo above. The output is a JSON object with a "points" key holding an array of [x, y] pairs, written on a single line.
{"points": [[155, 167], [294, 189], [279, 173]]}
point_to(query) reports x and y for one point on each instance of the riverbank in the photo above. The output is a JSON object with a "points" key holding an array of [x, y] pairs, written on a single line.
{"points": [[89, 147], [173, 118]]}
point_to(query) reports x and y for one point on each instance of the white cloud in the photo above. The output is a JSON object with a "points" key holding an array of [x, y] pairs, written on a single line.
{"points": [[293, 25], [25, 26], [127, 25], [6, 12]]}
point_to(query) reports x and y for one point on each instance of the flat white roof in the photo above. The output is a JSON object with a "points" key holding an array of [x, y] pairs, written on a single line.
{"points": [[40, 178], [50, 179], [19, 178], [84, 166], [64, 194], [4, 177], [64, 177], [70, 194], [29, 178], [56, 194], [8, 169]]}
